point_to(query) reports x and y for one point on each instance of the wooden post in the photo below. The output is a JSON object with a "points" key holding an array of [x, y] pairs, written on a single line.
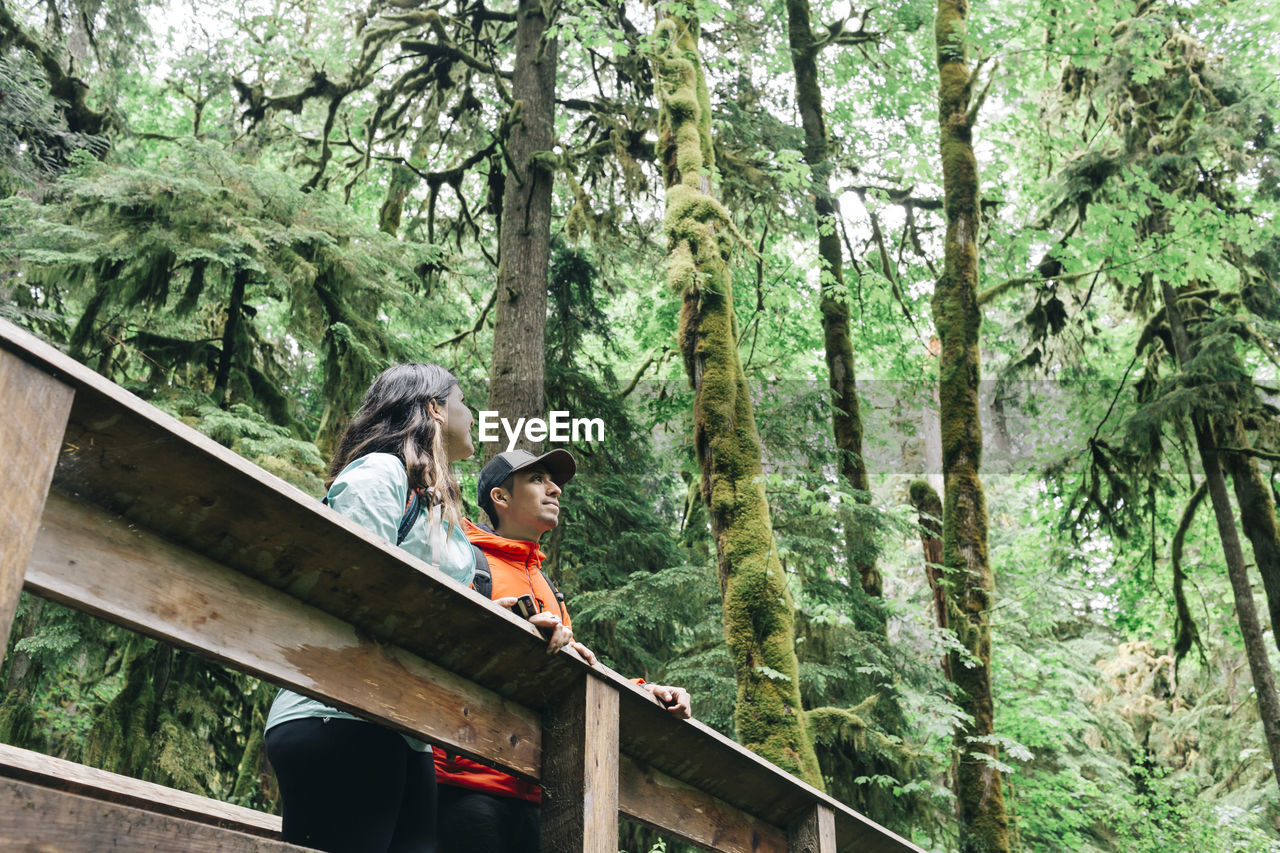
{"points": [[33, 417], [813, 832], [580, 771]]}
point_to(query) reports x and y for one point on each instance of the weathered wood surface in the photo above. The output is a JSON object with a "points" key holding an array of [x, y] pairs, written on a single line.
{"points": [[653, 798], [91, 559], [580, 770], [33, 411], [38, 819], [122, 454], [24, 765], [702, 758], [159, 475], [814, 832]]}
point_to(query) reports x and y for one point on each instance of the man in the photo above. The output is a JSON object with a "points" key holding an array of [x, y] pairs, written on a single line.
{"points": [[483, 810]]}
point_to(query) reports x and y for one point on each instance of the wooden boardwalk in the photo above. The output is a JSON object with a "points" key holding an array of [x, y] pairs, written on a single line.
{"points": [[121, 511]]}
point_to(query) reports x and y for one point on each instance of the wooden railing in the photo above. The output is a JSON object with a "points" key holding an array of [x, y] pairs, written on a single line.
{"points": [[114, 508]]}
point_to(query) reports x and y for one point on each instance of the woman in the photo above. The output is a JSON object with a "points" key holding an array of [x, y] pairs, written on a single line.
{"points": [[347, 785]]}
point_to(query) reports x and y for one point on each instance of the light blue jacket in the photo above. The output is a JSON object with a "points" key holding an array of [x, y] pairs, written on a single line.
{"points": [[372, 491]]}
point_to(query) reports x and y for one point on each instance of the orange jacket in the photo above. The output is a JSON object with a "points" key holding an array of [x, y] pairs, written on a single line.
{"points": [[516, 567]]}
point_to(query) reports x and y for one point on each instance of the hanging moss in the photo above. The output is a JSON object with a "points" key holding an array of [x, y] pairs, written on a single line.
{"points": [[120, 738], [758, 620], [18, 722], [250, 772]]}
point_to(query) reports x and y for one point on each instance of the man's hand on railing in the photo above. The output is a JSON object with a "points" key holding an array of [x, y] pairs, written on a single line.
{"points": [[674, 699], [557, 633]]}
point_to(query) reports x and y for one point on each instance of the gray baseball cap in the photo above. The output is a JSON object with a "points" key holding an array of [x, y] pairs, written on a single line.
{"points": [[559, 463]]}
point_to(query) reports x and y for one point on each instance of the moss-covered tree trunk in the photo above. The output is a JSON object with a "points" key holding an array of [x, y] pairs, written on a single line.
{"points": [[518, 373], [1255, 648], [1257, 513], [846, 418], [984, 826], [758, 614]]}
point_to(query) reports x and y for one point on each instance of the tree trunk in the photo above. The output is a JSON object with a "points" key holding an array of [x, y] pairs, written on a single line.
{"points": [[834, 299], [1257, 513], [928, 511], [222, 380], [984, 826], [1264, 682], [758, 613], [518, 373]]}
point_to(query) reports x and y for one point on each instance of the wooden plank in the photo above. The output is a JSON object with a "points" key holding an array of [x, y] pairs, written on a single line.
{"points": [[814, 832], [580, 771], [123, 454], [58, 774], [39, 820], [655, 799], [698, 755], [92, 560], [706, 760], [33, 416], [242, 517]]}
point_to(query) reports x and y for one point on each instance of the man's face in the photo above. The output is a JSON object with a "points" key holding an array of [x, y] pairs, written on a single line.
{"points": [[531, 506]]}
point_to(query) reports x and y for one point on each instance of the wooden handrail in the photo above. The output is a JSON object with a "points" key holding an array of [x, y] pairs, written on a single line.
{"points": [[150, 524]]}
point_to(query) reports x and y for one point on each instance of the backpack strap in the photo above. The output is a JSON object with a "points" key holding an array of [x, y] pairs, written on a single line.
{"points": [[412, 509], [555, 590], [411, 512], [483, 582]]}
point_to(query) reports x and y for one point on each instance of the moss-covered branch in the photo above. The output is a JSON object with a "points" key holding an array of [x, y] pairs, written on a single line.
{"points": [[70, 90]]}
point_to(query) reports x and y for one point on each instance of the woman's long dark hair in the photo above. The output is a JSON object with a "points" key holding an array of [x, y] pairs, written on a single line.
{"points": [[395, 418]]}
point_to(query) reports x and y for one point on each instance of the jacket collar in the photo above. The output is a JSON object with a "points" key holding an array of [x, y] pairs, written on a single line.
{"points": [[516, 549]]}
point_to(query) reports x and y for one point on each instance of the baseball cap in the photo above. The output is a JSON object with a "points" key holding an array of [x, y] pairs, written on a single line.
{"points": [[559, 463]]}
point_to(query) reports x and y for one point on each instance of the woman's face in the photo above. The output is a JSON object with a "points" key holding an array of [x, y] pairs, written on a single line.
{"points": [[456, 426]]}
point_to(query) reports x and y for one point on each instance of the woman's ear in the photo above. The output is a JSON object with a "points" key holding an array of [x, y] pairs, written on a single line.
{"points": [[436, 411]]}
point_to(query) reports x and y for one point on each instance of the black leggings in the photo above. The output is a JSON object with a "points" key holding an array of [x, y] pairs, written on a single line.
{"points": [[474, 822], [348, 786]]}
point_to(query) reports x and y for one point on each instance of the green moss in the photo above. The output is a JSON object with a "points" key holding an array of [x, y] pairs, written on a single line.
{"points": [[546, 161], [18, 722], [120, 738], [919, 491]]}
